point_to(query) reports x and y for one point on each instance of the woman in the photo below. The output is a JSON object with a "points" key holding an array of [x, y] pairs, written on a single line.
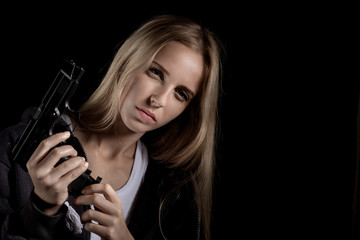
{"points": [[148, 130]]}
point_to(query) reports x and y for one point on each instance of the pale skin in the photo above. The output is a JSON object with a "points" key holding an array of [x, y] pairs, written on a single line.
{"points": [[153, 98]]}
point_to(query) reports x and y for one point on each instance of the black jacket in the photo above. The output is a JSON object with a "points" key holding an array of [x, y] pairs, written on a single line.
{"points": [[21, 219]]}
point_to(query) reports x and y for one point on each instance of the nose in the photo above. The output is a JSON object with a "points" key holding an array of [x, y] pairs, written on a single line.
{"points": [[159, 98], [154, 102]]}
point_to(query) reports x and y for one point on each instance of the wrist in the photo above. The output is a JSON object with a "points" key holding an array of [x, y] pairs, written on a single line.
{"points": [[45, 207]]}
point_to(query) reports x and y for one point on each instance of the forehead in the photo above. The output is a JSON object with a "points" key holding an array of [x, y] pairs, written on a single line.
{"points": [[183, 65]]}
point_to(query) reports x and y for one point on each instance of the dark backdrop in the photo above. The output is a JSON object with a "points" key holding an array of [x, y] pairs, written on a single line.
{"points": [[36, 38], [268, 113]]}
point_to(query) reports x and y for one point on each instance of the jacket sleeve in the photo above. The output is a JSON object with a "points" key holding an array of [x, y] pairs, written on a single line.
{"points": [[19, 217]]}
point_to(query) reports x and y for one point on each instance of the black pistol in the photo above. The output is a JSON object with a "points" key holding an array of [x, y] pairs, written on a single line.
{"points": [[53, 105]]}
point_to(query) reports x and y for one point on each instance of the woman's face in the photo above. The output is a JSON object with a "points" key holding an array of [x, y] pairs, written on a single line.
{"points": [[162, 92]]}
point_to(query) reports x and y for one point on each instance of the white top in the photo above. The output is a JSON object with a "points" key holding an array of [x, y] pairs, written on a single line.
{"points": [[128, 192]]}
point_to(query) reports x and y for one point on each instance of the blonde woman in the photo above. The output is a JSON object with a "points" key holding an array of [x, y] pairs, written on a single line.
{"points": [[149, 130]]}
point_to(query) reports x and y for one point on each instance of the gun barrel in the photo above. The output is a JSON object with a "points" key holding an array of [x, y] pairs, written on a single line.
{"points": [[54, 103]]}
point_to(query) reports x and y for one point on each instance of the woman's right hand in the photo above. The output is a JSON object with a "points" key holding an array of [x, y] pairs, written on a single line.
{"points": [[51, 183]]}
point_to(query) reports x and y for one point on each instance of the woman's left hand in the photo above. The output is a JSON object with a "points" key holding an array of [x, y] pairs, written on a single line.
{"points": [[108, 214]]}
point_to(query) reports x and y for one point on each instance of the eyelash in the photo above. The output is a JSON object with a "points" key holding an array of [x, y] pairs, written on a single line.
{"points": [[157, 72], [181, 94]]}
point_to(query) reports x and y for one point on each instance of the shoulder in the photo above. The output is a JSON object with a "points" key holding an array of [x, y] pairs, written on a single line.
{"points": [[175, 188], [168, 179], [166, 200], [9, 135]]}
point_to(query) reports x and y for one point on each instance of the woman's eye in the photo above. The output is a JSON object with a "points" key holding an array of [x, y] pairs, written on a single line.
{"points": [[182, 95], [156, 72]]}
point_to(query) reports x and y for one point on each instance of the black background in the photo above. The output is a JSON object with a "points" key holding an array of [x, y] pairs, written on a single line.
{"points": [[273, 94]]}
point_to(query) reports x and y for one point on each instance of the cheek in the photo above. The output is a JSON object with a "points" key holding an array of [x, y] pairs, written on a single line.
{"points": [[142, 86], [127, 102], [136, 90]]}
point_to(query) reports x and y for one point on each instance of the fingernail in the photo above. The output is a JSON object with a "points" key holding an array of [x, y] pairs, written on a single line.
{"points": [[66, 134], [86, 164]]}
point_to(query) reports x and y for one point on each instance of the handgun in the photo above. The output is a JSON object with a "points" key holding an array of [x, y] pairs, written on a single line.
{"points": [[55, 102]]}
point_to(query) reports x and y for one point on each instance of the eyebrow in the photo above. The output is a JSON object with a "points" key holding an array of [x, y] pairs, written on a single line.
{"points": [[167, 73]]}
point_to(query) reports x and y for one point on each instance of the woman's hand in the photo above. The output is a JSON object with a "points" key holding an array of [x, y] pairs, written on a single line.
{"points": [[108, 214], [51, 183]]}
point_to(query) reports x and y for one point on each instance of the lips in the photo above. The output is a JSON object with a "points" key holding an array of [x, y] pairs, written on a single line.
{"points": [[146, 114]]}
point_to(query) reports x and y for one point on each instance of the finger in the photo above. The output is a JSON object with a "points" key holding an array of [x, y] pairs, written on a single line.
{"points": [[55, 155], [60, 178], [97, 229], [74, 173], [45, 146], [105, 189], [73, 167], [98, 202], [97, 216]]}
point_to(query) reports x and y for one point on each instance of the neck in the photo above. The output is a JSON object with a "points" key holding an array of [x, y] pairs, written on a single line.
{"points": [[109, 146]]}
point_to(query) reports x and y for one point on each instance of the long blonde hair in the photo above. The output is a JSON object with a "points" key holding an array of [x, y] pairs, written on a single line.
{"points": [[188, 141]]}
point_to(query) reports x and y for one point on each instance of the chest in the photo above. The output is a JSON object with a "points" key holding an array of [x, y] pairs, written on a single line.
{"points": [[114, 171]]}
